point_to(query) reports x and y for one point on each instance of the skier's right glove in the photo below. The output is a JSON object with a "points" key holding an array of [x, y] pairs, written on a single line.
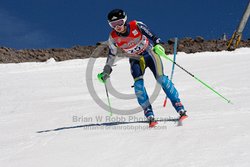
{"points": [[105, 74], [102, 77]]}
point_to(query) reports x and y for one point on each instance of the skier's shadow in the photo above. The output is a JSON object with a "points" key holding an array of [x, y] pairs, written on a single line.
{"points": [[104, 124]]}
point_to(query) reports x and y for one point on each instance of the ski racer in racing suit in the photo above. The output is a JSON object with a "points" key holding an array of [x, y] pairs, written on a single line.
{"points": [[137, 40]]}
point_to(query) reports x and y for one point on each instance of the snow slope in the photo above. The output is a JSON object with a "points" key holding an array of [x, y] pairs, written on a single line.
{"points": [[48, 118]]}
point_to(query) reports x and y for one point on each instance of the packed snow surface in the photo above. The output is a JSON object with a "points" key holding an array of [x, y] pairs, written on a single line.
{"points": [[49, 118]]}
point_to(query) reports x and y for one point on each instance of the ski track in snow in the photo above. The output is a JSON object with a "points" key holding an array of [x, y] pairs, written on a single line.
{"points": [[38, 102]]}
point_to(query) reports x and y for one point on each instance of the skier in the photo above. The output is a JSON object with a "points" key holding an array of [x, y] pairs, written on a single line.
{"points": [[137, 40]]}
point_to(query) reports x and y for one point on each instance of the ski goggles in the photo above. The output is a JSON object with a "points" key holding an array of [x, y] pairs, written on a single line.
{"points": [[119, 22]]}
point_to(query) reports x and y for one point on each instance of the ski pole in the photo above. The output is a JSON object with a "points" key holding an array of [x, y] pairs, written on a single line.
{"points": [[99, 76], [107, 93], [161, 51], [172, 72]]}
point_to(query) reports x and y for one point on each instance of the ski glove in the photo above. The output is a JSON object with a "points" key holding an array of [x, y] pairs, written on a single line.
{"points": [[105, 74]]}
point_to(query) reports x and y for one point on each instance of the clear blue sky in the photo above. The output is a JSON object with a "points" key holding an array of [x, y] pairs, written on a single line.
{"points": [[66, 23]]}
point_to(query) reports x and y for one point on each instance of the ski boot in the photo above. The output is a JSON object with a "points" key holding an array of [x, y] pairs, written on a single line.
{"points": [[183, 115]]}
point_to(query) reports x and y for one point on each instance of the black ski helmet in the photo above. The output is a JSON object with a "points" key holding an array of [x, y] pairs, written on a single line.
{"points": [[117, 14]]}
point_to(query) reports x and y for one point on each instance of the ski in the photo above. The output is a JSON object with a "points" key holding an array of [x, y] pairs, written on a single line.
{"points": [[181, 119], [153, 124]]}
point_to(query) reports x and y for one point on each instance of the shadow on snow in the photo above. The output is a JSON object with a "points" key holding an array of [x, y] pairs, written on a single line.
{"points": [[105, 124]]}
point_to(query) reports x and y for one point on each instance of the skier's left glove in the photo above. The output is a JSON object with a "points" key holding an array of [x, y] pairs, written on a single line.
{"points": [[103, 76], [159, 50]]}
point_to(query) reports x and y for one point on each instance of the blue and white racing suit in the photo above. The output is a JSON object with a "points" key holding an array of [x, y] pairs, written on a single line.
{"points": [[147, 58]]}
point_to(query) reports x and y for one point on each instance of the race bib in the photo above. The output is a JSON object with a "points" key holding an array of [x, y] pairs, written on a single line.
{"points": [[138, 48]]}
